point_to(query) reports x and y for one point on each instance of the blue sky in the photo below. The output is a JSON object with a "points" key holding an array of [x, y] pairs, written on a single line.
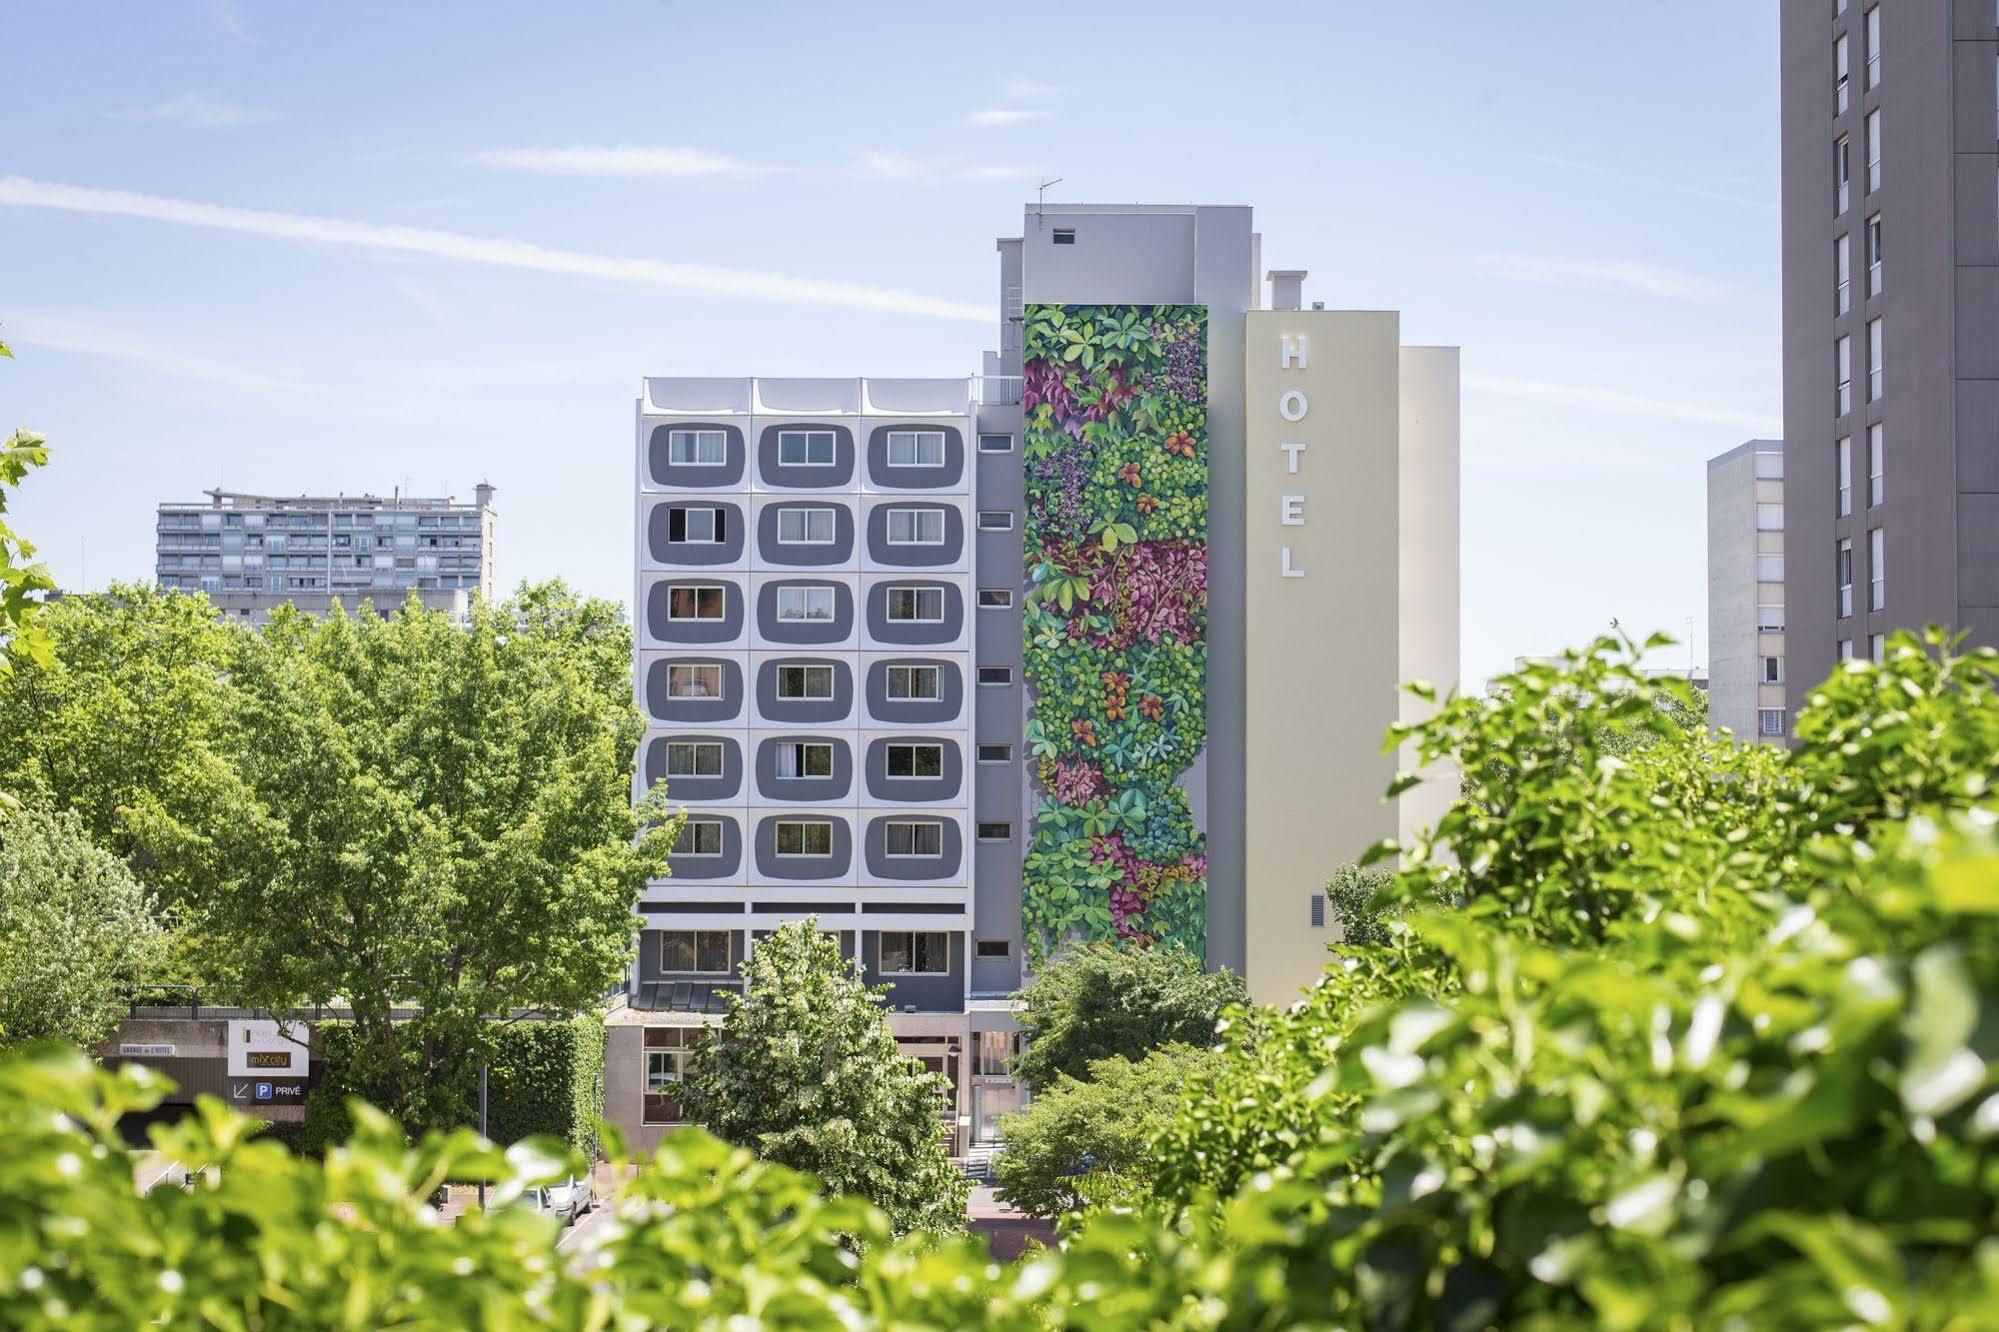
{"points": [[299, 248]]}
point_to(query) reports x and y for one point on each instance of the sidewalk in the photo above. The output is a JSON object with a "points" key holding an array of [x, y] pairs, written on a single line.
{"points": [[1006, 1232]]}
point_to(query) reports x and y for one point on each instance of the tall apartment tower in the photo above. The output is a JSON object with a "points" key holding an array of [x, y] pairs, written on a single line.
{"points": [[1745, 591], [1891, 370], [1101, 643], [254, 553]]}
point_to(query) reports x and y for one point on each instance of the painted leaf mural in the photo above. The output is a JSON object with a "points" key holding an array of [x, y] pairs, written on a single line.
{"points": [[1116, 622]]}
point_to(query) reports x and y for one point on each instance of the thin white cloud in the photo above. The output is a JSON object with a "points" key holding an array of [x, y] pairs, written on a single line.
{"points": [[1022, 91], [1618, 275], [496, 252], [87, 335], [1609, 400], [1000, 117], [621, 160], [901, 166], [193, 110]]}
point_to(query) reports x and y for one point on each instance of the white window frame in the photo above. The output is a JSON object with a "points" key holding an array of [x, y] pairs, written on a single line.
{"points": [[1842, 173], [1770, 566], [912, 673], [712, 512], [1875, 244], [1877, 442], [720, 677], [803, 753], [995, 520], [916, 519], [796, 603], [1841, 70], [728, 946], [812, 670], [1770, 723], [1871, 25], [916, 956], [914, 827], [1873, 150], [1842, 272], [699, 590], [1842, 574], [1877, 648], [1769, 675], [1842, 360], [697, 442], [912, 748], [804, 826], [1770, 618], [1876, 350], [808, 516], [1769, 517], [1843, 469], [1877, 572], [918, 593], [1001, 677], [702, 752], [984, 836], [986, 445], [916, 449], [807, 439], [685, 844], [1005, 754], [995, 598]]}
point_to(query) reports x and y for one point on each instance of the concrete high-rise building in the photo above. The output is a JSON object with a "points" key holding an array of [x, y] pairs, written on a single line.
{"points": [[1101, 643], [1891, 370], [254, 553], [1745, 591]]}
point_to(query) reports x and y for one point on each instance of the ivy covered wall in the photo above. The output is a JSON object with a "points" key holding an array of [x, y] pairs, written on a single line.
{"points": [[1115, 621]]}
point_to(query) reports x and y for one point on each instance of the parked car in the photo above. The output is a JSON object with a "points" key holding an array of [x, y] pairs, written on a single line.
{"points": [[565, 1201]]}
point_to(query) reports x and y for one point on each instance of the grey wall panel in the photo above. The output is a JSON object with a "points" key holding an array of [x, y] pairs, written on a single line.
{"points": [[910, 712], [928, 994], [803, 711], [664, 629], [902, 633], [805, 790], [774, 473], [913, 789], [945, 864], [783, 869], [916, 478], [711, 867], [727, 785], [692, 476], [726, 551], [948, 552], [839, 551], [805, 632], [726, 708]]}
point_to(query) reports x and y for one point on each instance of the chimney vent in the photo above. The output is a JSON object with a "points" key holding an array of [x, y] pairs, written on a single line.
{"points": [[1286, 287]]}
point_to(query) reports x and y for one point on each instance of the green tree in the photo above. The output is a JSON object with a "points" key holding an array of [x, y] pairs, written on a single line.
{"points": [[1095, 1143], [1097, 1001], [805, 1073], [76, 930], [1354, 894], [22, 582]]}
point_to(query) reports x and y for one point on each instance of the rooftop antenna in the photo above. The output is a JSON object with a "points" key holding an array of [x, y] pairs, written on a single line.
{"points": [[1041, 197]]}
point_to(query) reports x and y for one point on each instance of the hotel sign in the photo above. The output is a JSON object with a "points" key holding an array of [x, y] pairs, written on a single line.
{"points": [[1294, 356]]}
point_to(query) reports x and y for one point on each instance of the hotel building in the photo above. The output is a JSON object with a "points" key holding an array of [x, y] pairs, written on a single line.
{"points": [[1100, 643]]}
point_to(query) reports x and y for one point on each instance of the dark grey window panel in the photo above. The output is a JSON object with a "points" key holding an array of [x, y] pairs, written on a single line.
{"points": [[840, 550], [711, 867], [904, 633], [813, 790], [664, 629], [695, 476], [950, 551], [686, 908], [912, 908], [805, 711], [802, 909], [649, 967], [659, 527], [925, 789], [726, 708], [696, 788], [928, 994], [916, 712], [805, 632], [775, 473], [770, 865], [916, 478], [947, 862]]}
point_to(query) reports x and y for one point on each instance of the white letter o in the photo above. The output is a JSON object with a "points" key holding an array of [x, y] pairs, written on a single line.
{"points": [[1292, 406]]}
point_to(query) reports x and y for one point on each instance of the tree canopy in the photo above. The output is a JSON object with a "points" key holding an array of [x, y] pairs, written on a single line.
{"points": [[22, 582], [1098, 1001]]}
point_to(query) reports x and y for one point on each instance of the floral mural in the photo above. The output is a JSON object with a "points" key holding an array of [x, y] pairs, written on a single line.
{"points": [[1115, 616]]}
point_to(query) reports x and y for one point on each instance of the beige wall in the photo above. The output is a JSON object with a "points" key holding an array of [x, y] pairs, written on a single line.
{"points": [[1325, 647], [1429, 571]]}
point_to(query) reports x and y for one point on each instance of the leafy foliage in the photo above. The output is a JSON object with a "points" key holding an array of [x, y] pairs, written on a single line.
{"points": [[1095, 1142], [805, 1073], [1098, 1002], [22, 582], [75, 931], [1115, 622]]}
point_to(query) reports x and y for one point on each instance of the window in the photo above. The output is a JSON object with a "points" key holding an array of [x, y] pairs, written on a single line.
{"points": [[915, 762], [915, 448], [1065, 235], [1839, 75], [805, 838], [995, 443], [693, 758], [1873, 25], [915, 839], [695, 527], [1874, 255], [697, 448], [795, 682], [1844, 465], [913, 683], [996, 676], [916, 527], [805, 603], [1874, 360], [996, 832], [1842, 173], [1769, 517], [694, 603], [1874, 149], [1317, 911], [1875, 442], [667, 1052], [1842, 355], [1846, 649], [995, 598], [1877, 648], [993, 948], [992, 1054], [1773, 670], [805, 527], [1769, 568], [699, 837], [1843, 571], [995, 520], [1770, 618], [995, 753], [916, 605], [1842, 270], [1769, 721], [804, 758], [1877, 571], [702, 951], [805, 448], [693, 681], [913, 952]]}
